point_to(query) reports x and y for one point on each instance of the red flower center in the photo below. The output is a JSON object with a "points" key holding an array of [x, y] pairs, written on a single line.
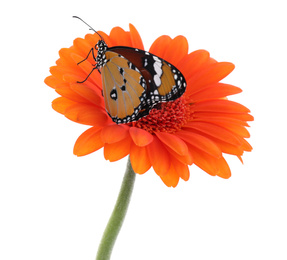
{"points": [[166, 117]]}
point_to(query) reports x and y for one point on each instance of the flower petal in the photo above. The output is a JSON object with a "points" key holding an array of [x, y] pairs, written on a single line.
{"points": [[139, 159], [210, 164], [66, 59], [87, 115], [170, 179], [220, 105], [218, 90], [82, 48], [193, 62], [200, 142], [181, 169], [87, 67], [119, 37], [229, 148], [88, 142], [106, 37], [140, 136], [136, 38], [160, 45], [227, 141], [93, 39], [92, 95], [173, 142], [214, 131], [116, 151], [176, 50], [210, 75], [67, 92], [53, 82], [185, 159], [60, 104], [208, 115], [159, 157], [114, 133]]}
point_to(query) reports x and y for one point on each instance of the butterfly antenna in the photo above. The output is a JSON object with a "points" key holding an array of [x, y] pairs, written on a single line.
{"points": [[91, 28]]}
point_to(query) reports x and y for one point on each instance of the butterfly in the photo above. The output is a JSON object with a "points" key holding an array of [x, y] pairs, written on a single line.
{"points": [[134, 81]]}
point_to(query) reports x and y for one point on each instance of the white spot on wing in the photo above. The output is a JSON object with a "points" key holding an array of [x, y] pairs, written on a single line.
{"points": [[157, 68], [157, 80]]}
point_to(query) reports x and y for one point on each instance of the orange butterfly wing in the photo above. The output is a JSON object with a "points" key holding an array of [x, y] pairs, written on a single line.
{"points": [[124, 89], [164, 81]]}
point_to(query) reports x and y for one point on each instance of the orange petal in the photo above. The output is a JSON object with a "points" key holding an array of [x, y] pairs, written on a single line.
{"points": [[67, 92], [170, 179], [185, 159], [88, 142], [223, 169], [191, 63], [222, 121], [220, 105], [106, 37], [200, 142], [176, 50], [214, 131], [114, 133], [245, 145], [203, 115], [181, 169], [211, 165], [71, 78], [139, 159], [204, 161], [116, 151], [173, 142], [119, 37], [140, 136], [135, 38], [87, 67], [236, 128], [65, 58], [53, 82], [59, 72], [227, 141], [159, 157], [218, 90], [160, 45], [92, 39], [210, 75], [87, 114], [83, 47], [60, 104], [92, 95], [229, 148]]}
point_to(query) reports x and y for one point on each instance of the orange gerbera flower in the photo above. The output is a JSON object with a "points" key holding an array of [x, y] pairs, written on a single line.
{"points": [[196, 128]]}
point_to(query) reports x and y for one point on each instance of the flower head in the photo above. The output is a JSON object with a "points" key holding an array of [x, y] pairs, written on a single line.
{"points": [[196, 128]]}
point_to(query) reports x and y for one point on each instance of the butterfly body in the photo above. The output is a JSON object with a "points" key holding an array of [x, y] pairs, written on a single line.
{"points": [[134, 81]]}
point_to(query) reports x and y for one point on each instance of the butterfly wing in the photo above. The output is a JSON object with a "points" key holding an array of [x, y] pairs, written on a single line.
{"points": [[124, 89], [164, 81]]}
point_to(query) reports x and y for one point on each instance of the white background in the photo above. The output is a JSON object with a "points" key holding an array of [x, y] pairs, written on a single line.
{"points": [[55, 206]]}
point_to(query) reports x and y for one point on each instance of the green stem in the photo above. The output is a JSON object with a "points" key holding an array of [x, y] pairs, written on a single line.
{"points": [[118, 215]]}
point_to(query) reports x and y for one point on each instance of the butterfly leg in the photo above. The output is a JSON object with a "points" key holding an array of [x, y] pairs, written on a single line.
{"points": [[91, 51], [88, 75]]}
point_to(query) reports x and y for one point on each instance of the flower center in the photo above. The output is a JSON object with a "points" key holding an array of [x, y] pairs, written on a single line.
{"points": [[166, 117]]}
